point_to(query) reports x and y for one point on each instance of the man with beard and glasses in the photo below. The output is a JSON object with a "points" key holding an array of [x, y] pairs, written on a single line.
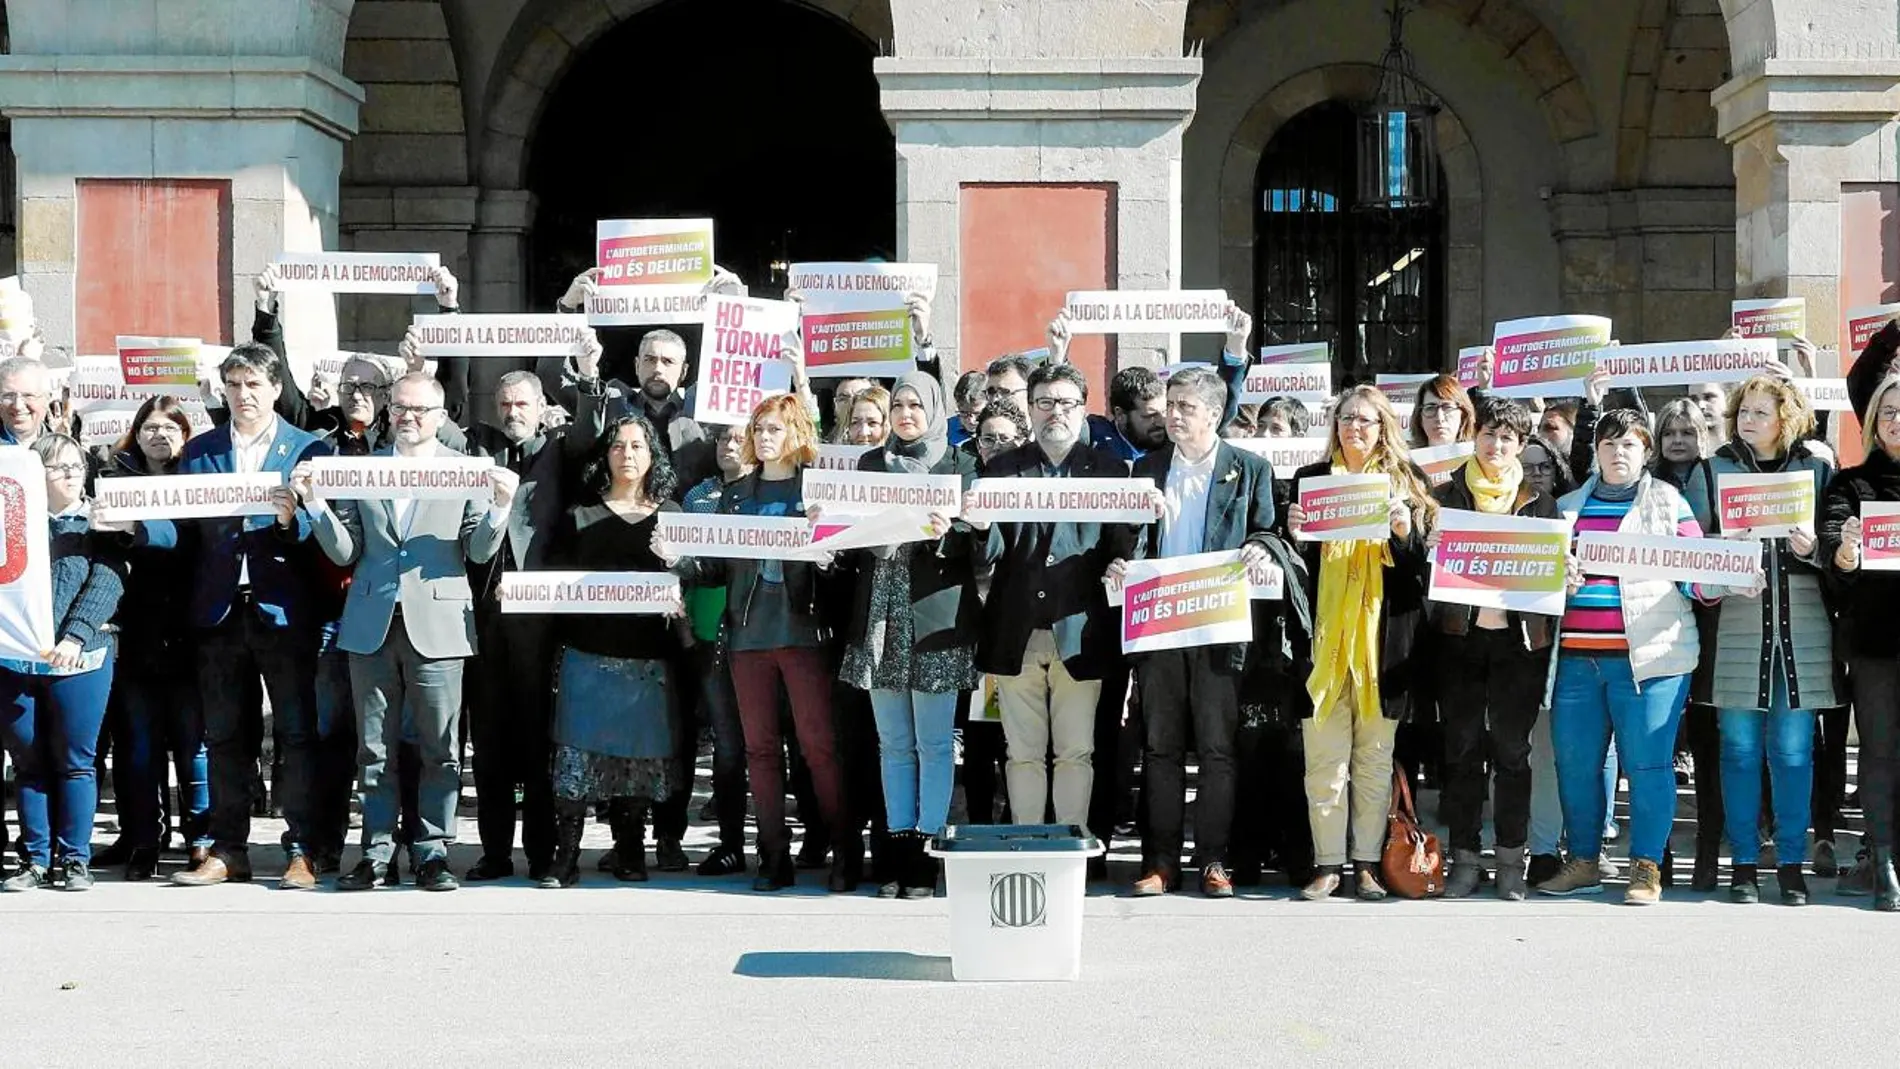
{"points": [[508, 692]]}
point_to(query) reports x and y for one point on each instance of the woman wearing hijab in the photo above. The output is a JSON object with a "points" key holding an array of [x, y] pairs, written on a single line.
{"points": [[912, 638]]}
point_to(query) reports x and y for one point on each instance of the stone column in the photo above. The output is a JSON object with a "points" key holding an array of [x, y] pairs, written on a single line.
{"points": [[180, 89], [1801, 129], [498, 253], [1058, 92]]}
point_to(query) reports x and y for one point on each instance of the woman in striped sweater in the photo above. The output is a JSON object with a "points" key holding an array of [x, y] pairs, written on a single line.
{"points": [[1625, 654]]}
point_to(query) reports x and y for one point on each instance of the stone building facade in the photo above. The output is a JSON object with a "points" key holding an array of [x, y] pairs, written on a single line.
{"points": [[1648, 159]]}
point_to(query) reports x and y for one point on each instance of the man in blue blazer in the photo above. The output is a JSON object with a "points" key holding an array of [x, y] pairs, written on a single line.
{"points": [[1212, 498], [253, 608], [408, 625]]}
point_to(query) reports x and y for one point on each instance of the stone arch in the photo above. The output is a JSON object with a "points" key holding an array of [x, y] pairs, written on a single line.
{"points": [[1509, 25], [1679, 54], [545, 43], [1464, 189], [412, 128]]}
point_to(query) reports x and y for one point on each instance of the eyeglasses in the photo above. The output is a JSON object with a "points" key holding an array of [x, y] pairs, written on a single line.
{"points": [[167, 428], [1052, 404], [20, 398], [1358, 421], [1544, 467], [418, 411], [1438, 411], [66, 471], [347, 388], [1888, 415], [997, 441], [998, 393]]}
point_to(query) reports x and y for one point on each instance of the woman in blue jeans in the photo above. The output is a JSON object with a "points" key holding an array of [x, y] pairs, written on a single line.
{"points": [[1625, 655], [912, 639], [1774, 654], [156, 683], [51, 709]]}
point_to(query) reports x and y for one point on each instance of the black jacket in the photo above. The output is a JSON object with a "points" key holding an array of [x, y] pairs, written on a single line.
{"points": [[550, 468], [1239, 510], [805, 587], [945, 611], [1052, 572], [1864, 600], [1406, 580], [1537, 630]]}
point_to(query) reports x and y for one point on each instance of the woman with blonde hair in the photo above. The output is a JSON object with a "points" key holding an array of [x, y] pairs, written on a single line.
{"points": [[1870, 643], [777, 634], [1774, 652], [870, 421], [1367, 600]]}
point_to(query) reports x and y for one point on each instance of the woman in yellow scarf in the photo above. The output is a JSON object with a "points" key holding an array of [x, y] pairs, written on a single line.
{"points": [[1366, 615]]}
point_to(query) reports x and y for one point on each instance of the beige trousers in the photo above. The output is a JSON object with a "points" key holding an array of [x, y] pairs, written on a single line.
{"points": [[1342, 745], [1041, 705]]}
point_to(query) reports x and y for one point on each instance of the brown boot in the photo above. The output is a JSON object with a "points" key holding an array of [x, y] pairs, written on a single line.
{"points": [[299, 875], [217, 868]]}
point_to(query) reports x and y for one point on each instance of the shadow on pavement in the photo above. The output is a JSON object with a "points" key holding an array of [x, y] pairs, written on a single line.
{"points": [[843, 965]]}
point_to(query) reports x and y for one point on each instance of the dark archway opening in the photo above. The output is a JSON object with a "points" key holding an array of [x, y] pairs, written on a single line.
{"points": [[1372, 283], [761, 114]]}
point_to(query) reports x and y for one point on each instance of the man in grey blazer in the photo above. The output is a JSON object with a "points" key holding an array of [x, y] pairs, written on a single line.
{"points": [[408, 623]]}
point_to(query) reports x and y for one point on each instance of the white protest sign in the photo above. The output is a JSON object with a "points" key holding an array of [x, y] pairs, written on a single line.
{"points": [[1178, 602], [16, 311], [26, 576], [1682, 363], [1031, 500], [1825, 395], [1147, 311], [1287, 455], [1880, 536], [739, 361], [840, 494], [841, 457], [1500, 562], [498, 335], [1302, 372], [725, 536], [588, 593], [1438, 462], [1864, 323], [1265, 580], [652, 271], [450, 478], [1775, 317], [186, 497], [891, 528], [1546, 356], [357, 272], [856, 320], [1712, 561]]}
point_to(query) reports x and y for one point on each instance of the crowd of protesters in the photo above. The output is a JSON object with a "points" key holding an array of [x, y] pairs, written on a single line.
{"points": [[853, 682]]}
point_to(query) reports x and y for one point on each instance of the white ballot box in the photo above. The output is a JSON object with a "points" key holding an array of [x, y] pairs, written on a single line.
{"points": [[1015, 899]]}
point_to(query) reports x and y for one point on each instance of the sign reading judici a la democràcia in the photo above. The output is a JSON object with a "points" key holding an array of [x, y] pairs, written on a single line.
{"points": [[1880, 536], [1712, 561], [1864, 323], [1147, 311], [589, 593], [391, 478], [1546, 356], [856, 320], [858, 509], [1438, 462], [1783, 318], [1682, 363], [723, 536], [1287, 455], [26, 575], [148, 361], [1346, 508], [1302, 372], [740, 357], [186, 497], [1765, 506], [1825, 395], [1500, 562], [498, 335], [1062, 501], [357, 272], [1177, 602], [652, 271], [1471, 365]]}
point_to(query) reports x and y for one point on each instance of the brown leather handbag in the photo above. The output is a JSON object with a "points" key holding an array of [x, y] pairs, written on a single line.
{"points": [[1413, 866]]}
